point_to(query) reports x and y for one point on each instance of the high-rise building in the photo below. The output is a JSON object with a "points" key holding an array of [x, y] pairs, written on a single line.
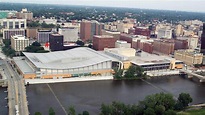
{"points": [[70, 34], [7, 33], [203, 40], [56, 42], [43, 36], [88, 29], [104, 41], [13, 23], [25, 14], [179, 30], [19, 42]]}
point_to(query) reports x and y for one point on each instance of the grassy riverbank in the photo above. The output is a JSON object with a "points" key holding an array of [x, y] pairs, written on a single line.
{"points": [[193, 112]]}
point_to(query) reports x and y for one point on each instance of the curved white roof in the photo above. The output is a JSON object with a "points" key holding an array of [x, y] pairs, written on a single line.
{"points": [[74, 58]]}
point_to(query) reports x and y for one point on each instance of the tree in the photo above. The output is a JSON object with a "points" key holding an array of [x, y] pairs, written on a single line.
{"points": [[134, 71], [170, 112], [118, 73], [106, 109], [90, 46], [36, 43], [86, 113], [163, 99], [130, 73], [149, 111], [71, 110], [184, 99], [80, 43], [159, 109], [137, 110], [33, 24], [38, 113], [51, 111]]}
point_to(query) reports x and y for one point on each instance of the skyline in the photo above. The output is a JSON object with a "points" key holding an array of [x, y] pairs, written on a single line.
{"points": [[176, 5]]}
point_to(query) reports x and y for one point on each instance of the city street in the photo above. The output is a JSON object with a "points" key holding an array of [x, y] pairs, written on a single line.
{"points": [[16, 90]]}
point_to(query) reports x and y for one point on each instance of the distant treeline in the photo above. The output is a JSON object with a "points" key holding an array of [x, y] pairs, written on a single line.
{"points": [[102, 14]]}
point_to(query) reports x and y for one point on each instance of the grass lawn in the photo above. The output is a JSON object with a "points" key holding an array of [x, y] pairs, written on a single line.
{"points": [[193, 112]]}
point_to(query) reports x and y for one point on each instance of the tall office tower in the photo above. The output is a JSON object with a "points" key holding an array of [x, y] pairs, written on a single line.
{"points": [[203, 40], [88, 29], [56, 42]]}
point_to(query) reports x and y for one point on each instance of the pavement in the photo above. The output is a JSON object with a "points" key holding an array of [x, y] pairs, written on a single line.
{"points": [[76, 79], [163, 72], [16, 91]]}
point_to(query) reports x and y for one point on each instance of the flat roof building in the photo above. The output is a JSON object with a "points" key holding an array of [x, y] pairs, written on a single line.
{"points": [[13, 23], [7, 33], [56, 42], [61, 64], [189, 57], [19, 42], [70, 34], [104, 41]]}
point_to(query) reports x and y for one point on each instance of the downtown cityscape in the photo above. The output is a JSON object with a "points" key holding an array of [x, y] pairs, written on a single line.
{"points": [[94, 58]]}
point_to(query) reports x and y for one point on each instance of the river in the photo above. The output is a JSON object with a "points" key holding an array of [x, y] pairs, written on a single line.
{"points": [[90, 95]]}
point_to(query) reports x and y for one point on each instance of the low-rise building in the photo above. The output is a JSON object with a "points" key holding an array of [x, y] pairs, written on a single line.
{"points": [[164, 33], [7, 33], [144, 31], [31, 33], [122, 44], [163, 46], [43, 35], [64, 64], [189, 57], [70, 34], [115, 34], [104, 41]]}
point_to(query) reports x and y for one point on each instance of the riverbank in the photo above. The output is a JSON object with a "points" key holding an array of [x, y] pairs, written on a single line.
{"points": [[74, 79]]}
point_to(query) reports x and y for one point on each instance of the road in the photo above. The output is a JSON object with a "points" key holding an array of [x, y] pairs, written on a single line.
{"points": [[16, 91]]}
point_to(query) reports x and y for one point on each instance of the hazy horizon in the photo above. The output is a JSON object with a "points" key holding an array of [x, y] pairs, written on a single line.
{"points": [[177, 5]]}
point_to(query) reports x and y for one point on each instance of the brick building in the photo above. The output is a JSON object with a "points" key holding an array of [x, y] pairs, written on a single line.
{"points": [[88, 29], [163, 46], [104, 41], [180, 44], [142, 31], [56, 42]]}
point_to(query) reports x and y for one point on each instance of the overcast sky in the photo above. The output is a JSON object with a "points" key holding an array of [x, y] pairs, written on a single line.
{"points": [[182, 5]]}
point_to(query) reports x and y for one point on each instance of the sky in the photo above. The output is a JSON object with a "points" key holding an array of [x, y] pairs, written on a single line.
{"points": [[179, 5]]}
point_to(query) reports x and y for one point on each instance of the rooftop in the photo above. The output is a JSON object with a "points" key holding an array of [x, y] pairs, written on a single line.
{"points": [[73, 58], [189, 52], [144, 58], [103, 36], [19, 37], [23, 65]]}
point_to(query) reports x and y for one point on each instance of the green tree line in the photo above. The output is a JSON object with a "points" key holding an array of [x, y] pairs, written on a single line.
{"points": [[155, 104], [133, 72]]}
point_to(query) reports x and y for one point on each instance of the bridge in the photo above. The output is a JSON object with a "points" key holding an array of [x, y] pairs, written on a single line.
{"points": [[191, 74], [17, 101]]}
